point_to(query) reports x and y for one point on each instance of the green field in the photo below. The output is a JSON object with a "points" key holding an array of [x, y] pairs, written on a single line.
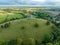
{"points": [[15, 31], [8, 17], [28, 26]]}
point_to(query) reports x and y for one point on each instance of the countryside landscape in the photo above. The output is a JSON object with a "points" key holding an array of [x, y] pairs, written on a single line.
{"points": [[30, 26]]}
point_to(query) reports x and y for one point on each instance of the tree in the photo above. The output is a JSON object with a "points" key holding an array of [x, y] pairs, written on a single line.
{"points": [[13, 19], [2, 26], [36, 25], [55, 32], [47, 23], [47, 38], [6, 25], [22, 27]]}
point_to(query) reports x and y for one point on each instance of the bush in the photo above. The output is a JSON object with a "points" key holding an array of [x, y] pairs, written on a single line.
{"points": [[36, 42], [17, 18], [13, 19], [12, 42], [31, 41], [22, 27], [47, 23], [24, 42], [2, 26], [6, 25], [57, 24], [56, 31], [48, 38], [56, 43], [36, 25]]}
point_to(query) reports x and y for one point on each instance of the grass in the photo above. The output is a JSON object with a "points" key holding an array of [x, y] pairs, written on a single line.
{"points": [[23, 29], [29, 31], [9, 16]]}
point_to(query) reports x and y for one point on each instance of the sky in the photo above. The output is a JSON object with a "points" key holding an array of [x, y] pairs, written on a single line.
{"points": [[30, 2]]}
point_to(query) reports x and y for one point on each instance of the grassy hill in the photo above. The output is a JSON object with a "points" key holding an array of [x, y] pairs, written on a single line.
{"points": [[25, 29], [28, 26]]}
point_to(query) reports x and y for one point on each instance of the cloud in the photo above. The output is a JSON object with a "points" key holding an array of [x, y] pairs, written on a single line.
{"points": [[38, 2], [53, 2], [29, 2], [7, 2]]}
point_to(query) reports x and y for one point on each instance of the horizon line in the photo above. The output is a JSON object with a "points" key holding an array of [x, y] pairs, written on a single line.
{"points": [[29, 5]]}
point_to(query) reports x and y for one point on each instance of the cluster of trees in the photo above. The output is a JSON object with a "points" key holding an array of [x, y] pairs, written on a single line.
{"points": [[23, 14], [43, 15], [53, 38], [54, 9], [6, 25], [14, 19]]}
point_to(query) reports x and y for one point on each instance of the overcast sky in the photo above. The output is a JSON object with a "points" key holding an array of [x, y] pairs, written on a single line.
{"points": [[30, 2]]}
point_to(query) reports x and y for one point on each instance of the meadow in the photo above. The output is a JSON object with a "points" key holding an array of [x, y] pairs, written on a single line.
{"points": [[28, 26]]}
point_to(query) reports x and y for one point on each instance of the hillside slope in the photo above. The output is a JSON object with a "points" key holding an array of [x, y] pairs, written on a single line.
{"points": [[25, 29]]}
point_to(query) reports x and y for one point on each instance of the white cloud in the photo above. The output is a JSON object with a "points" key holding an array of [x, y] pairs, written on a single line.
{"points": [[54, 0], [32, 2], [39, 0]]}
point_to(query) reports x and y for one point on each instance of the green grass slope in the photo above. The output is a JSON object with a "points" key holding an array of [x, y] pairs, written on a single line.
{"points": [[25, 29], [8, 17]]}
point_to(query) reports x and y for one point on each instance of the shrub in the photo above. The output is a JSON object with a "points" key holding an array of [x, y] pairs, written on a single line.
{"points": [[36, 42], [22, 27], [17, 18], [2, 26], [13, 19], [6, 25], [36, 25], [56, 43], [12, 42], [57, 24], [47, 23], [48, 38], [56, 30], [31, 41]]}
